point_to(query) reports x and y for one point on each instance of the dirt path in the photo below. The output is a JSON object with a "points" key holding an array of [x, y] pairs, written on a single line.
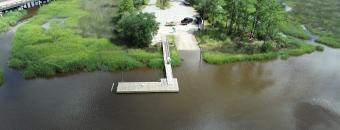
{"points": [[177, 12]]}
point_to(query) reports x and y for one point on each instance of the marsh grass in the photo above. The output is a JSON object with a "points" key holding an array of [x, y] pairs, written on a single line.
{"points": [[329, 41], [321, 17], [64, 48], [293, 28], [10, 19], [298, 48]]}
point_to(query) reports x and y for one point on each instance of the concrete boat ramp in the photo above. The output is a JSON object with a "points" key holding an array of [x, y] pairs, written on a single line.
{"points": [[166, 85]]}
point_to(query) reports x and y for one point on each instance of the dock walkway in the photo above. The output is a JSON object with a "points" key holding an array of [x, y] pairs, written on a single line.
{"points": [[168, 84]]}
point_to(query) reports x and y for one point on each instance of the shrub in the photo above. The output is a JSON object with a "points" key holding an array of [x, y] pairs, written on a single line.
{"points": [[320, 48]]}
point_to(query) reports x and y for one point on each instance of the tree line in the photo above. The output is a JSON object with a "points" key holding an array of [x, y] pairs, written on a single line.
{"points": [[259, 19]]}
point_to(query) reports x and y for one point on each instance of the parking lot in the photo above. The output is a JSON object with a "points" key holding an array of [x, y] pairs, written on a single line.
{"points": [[185, 39]]}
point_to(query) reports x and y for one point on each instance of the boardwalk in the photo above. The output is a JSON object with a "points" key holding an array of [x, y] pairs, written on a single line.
{"points": [[21, 4], [169, 84]]}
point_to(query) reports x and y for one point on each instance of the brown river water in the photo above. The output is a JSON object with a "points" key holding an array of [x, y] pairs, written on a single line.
{"points": [[299, 93]]}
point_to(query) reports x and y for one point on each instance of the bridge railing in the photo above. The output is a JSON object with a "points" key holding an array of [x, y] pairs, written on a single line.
{"points": [[10, 4]]}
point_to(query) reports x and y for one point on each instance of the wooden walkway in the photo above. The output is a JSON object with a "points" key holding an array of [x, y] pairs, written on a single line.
{"points": [[168, 84], [20, 4]]}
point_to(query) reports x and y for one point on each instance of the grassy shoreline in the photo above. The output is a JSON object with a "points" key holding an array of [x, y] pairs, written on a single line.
{"points": [[10, 19], [1, 77], [62, 48], [212, 47]]}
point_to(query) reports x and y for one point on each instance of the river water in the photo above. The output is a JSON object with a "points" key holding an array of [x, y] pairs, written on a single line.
{"points": [[298, 93]]}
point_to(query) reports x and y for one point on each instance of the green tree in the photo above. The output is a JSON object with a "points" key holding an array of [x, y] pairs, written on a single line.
{"points": [[210, 10], [137, 29], [126, 6], [266, 19]]}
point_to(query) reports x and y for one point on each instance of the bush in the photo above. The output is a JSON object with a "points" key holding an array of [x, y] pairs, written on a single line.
{"points": [[320, 48], [137, 29]]}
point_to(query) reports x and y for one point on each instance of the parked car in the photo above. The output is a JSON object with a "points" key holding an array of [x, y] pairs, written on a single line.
{"points": [[170, 23], [187, 21]]}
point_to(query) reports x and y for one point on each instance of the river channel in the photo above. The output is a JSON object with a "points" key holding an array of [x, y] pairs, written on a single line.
{"points": [[298, 93]]}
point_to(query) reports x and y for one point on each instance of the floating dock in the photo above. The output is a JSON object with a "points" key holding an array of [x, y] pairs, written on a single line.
{"points": [[168, 84], [148, 87]]}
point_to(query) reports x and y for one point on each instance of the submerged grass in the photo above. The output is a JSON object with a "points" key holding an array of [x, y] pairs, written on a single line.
{"points": [[10, 19], [63, 48]]}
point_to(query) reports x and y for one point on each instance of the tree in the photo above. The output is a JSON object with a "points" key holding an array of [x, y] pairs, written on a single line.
{"points": [[210, 10], [137, 29], [267, 18], [126, 6]]}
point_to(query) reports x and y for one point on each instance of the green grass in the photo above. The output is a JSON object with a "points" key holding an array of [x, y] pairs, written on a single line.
{"points": [[64, 48], [10, 19], [298, 48], [294, 29], [171, 40], [210, 39], [1, 77], [329, 41], [166, 5], [222, 58]]}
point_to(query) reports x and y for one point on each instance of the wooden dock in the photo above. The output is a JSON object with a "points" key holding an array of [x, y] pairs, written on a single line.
{"points": [[168, 84]]}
